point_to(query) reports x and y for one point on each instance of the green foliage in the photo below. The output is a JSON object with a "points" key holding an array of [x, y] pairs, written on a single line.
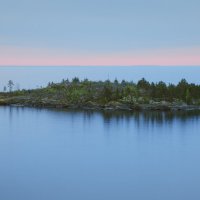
{"points": [[80, 92], [107, 93], [130, 90], [143, 84], [75, 80], [188, 98]]}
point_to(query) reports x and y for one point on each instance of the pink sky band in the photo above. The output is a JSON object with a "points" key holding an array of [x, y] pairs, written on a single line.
{"points": [[48, 57]]}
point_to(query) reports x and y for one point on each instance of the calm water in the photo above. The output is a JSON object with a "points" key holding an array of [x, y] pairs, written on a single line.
{"points": [[76, 155], [33, 77]]}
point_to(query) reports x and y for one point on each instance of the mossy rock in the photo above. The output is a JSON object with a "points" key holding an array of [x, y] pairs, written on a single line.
{"points": [[3, 102]]}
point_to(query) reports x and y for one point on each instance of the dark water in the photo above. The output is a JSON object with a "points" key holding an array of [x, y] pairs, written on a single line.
{"points": [[76, 155]]}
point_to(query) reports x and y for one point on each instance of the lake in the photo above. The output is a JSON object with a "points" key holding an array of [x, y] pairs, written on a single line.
{"points": [[81, 155]]}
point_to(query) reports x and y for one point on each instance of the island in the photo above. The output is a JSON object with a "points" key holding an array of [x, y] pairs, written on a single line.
{"points": [[107, 95]]}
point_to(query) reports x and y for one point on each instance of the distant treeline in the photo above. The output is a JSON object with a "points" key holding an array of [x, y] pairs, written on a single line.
{"points": [[86, 92], [143, 91]]}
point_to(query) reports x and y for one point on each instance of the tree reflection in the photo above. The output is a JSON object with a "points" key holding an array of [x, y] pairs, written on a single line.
{"points": [[153, 117]]}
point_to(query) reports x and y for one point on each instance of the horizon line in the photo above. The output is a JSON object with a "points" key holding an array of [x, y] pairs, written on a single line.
{"points": [[100, 65]]}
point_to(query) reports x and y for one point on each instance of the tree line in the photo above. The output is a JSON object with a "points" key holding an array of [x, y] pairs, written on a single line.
{"points": [[130, 91], [143, 91]]}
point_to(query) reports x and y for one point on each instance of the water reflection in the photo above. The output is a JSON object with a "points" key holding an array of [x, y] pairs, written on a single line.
{"points": [[152, 117], [116, 155], [148, 119], [145, 117]]}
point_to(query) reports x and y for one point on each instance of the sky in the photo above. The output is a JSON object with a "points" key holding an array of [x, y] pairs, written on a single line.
{"points": [[36, 76], [99, 32]]}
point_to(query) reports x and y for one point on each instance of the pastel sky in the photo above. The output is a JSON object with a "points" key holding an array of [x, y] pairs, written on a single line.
{"points": [[99, 32]]}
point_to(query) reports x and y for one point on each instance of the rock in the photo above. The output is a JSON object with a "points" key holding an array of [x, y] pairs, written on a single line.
{"points": [[114, 105], [3, 102]]}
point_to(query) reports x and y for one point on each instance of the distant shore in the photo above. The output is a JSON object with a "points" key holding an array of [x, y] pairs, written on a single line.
{"points": [[125, 96], [113, 106]]}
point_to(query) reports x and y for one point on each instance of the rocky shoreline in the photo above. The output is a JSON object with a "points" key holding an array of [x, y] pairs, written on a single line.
{"points": [[115, 106], [124, 96]]}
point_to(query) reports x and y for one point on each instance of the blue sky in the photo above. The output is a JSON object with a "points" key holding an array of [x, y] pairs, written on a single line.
{"points": [[68, 30]]}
